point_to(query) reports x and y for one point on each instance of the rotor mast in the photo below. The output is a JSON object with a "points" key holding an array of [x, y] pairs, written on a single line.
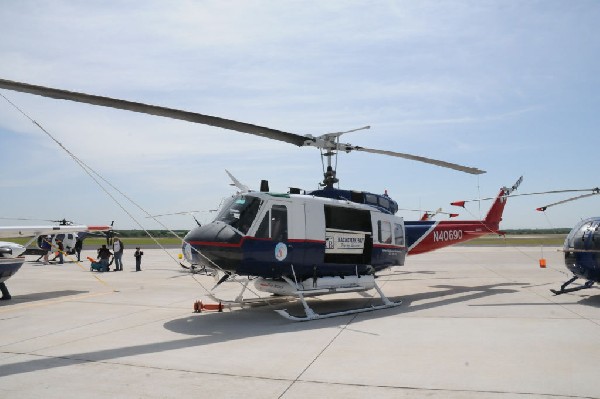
{"points": [[329, 144]]}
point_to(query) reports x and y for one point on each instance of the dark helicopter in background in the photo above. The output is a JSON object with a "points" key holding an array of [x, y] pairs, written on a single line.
{"points": [[581, 248], [306, 243]]}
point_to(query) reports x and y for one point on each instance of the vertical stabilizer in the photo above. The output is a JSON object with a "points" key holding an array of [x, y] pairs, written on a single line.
{"points": [[494, 215]]}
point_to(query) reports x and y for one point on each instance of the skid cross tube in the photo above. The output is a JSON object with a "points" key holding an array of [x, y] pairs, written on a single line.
{"points": [[312, 315]]}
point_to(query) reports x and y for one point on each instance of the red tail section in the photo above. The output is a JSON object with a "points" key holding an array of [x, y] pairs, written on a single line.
{"points": [[425, 235], [494, 215]]}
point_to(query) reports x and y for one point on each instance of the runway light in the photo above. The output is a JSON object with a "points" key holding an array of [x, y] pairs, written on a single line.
{"points": [[542, 263]]}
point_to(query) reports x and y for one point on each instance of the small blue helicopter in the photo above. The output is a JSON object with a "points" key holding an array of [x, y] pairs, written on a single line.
{"points": [[581, 248]]}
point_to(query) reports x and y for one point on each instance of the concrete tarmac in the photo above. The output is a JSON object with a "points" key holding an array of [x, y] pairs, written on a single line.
{"points": [[474, 323]]}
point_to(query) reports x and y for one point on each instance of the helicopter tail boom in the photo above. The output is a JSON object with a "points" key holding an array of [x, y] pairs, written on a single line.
{"points": [[427, 235]]}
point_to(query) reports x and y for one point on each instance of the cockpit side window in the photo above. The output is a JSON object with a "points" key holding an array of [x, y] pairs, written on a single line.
{"points": [[577, 236], [596, 236], [240, 212]]}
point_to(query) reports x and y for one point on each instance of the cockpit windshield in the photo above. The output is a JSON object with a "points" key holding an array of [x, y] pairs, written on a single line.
{"points": [[239, 212]]}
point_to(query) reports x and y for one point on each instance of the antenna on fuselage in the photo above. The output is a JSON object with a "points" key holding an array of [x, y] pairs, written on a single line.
{"points": [[264, 186]]}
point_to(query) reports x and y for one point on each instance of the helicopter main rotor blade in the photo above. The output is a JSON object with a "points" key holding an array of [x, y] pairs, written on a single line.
{"points": [[155, 110], [324, 142], [466, 169]]}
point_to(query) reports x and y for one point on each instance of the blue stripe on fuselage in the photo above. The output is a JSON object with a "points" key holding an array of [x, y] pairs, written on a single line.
{"points": [[415, 230], [307, 258]]}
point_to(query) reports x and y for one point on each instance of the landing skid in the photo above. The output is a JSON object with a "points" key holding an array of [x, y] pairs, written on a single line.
{"points": [[312, 315], [297, 292], [564, 289], [242, 302]]}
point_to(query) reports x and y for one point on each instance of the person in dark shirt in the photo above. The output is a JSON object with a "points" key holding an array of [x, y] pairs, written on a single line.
{"points": [[138, 259], [104, 255], [78, 248], [46, 247]]}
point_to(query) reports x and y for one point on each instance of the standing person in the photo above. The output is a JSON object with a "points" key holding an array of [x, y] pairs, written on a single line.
{"points": [[46, 247], [118, 251], [61, 249], [5, 294], [138, 259], [78, 248], [104, 257]]}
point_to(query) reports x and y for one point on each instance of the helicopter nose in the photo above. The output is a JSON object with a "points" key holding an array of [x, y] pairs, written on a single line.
{"points": [[217, 243]]}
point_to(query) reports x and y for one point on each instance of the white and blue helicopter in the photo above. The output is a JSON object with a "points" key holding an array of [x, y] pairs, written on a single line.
{"points": [[305, 243]]}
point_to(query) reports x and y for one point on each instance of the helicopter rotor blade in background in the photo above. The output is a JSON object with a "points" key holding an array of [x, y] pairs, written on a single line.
{"points": [[593, 190], [326, 141], [28, 219], [431, 214], [596, 191]]}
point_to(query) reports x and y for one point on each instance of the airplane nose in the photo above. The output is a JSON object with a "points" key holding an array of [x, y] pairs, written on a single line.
{"points": [[215, 242], [11, 250]]}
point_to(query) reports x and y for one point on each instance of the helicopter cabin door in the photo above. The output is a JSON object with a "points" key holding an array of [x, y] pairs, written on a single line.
{"points": [[273, 247], [347, 235]]}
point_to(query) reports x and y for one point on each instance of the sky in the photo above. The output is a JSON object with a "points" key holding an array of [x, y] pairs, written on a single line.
{"points": [[510, 87]]}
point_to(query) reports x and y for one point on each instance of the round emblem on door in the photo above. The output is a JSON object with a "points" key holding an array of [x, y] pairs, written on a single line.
{"points": [[280, 251]]}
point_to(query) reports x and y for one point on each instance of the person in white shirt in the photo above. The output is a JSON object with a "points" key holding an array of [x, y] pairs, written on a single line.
{"points": [[118, 252]]}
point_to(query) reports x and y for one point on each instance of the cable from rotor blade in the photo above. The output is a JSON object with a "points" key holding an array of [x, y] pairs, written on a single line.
{"points": [[96, 177], [91, 172]]}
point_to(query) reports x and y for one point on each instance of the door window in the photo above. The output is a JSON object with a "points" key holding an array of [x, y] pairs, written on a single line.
{"points": [[274, 224], [384, 230], [398, 234]]}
